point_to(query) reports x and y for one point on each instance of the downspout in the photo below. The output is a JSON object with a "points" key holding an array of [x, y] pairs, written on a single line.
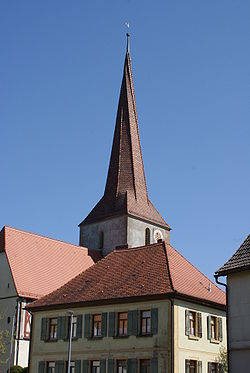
{"points": [[31, 326], [172, 335], [216, 276], [19, 306]]}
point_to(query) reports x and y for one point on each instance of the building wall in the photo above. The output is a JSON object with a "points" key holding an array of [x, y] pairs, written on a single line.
{"points": [[238, 320], [132, 347], [9, 309], [136, 232], [8, 301], [123, 230], [115, 234], [200, 349]]}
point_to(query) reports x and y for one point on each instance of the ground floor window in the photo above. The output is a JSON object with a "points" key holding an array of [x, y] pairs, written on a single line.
{"points": [[72, 367], [214, 368], [121, 366], [95, 367], [51, 367], [145, 366], [191, 366]]}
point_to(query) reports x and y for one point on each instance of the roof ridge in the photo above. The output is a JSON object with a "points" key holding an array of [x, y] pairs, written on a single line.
{"points": [[44, 237], [136, 248], [168, 266], [193, 266]]}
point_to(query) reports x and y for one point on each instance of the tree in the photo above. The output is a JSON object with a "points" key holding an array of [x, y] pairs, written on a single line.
{"points": [[4, 341], [222, 359]]}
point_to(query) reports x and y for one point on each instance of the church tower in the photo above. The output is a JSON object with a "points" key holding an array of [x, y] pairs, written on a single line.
{"points": [[124, 216]]}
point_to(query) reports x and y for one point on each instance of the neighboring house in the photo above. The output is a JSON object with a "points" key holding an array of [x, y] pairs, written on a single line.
{"points": [[237, 270], [144, 308], [139, 309], [30, 267]]}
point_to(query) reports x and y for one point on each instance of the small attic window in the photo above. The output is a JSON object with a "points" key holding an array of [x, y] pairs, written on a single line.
{"points": [[147, 236]]}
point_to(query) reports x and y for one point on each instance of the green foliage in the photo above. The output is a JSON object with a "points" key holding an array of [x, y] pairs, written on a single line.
{"points": [[16, 369], [25, 370], [222, 359], [4, 341]]}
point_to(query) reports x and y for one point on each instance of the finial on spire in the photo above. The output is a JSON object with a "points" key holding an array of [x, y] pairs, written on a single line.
{"points": [[128, 48]]}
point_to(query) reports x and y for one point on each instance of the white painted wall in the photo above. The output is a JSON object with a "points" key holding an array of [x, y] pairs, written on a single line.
{"points": [[202, 348], [239, 320]]}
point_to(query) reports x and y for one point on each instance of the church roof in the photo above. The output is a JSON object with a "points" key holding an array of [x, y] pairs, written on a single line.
{"points": [[240, 260], [126, 189], [156, 270], [39, 264]]}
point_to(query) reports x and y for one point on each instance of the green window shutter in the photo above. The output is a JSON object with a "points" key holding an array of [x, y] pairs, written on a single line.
{"points": [[43, 329], [199, 320], [111, 324], [132, 365], [209, 328], [103, 366], [130, 322], [154, 320], [154, 365], [59, 366], [59, 327], [187, 365], [111, 365], [78, 366], [87, 326], [221, 368], [187, 325], [64, 327], [209, 366], [41, 366], [104, 324], [199, 366], [220, 329], [85, 366], [135, 323], [79, 326]]}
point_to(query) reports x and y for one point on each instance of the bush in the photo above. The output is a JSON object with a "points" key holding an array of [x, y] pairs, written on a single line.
{"points": [[25, 370], [16, 369]]}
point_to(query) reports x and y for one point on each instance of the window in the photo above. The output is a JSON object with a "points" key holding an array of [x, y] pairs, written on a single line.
{"points": [[121, 366], [101, 240], [145, 322], [193, 366], [52, 329], [51, 367], [214, 328], [214, 368], [97, 325], [145, 366], [72, 367], [193, 327], [147, 236], [122, 323], [74, 326], [95, 367]]}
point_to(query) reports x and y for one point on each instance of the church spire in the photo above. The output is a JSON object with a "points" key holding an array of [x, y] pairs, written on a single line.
{"points": [[126, 189]]}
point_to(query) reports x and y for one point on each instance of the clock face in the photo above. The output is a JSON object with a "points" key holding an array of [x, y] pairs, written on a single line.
{"points": [[158, 235]]}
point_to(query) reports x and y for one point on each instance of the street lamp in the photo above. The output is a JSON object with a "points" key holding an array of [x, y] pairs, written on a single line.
{"points": [[70, 313]]}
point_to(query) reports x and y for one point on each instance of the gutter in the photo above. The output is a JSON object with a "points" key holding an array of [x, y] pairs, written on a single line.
{"points": [[216, 276], [172, 335]]}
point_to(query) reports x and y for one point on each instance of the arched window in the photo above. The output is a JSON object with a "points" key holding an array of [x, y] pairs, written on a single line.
{"points": [[147, 236], [101, 240]]}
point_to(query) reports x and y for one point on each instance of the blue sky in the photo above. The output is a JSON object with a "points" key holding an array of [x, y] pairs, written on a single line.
{"points": [[60, 74]]}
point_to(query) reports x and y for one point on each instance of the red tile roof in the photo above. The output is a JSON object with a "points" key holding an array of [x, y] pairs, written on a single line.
{"points": [[39, 264], [153, 270], [126, 189]]}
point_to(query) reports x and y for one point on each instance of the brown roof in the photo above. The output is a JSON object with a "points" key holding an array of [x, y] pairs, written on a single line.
{"points": [[39, 264], [240, 261], [126, 189], [153, 270]]}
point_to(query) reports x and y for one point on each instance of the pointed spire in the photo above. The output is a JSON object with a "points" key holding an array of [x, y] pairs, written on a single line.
{"points": [[128, 46], [126, 189]]}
